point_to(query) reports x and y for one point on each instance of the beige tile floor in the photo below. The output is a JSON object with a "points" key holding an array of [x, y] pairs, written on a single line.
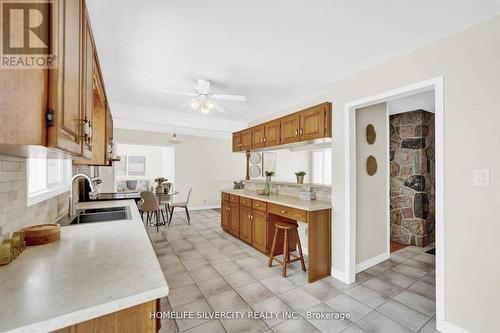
{"points": [[209, 270]]}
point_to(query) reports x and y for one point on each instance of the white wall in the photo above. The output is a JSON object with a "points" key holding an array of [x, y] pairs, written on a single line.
{"points": [[288, 162], [160, 161], [470, 65], [371, 191], [205, 164]]}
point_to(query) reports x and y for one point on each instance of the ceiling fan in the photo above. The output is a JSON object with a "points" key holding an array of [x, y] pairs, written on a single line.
{"points": [[205, 100]]}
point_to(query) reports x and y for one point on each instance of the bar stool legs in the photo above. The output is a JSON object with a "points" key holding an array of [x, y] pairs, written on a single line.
{"points": [[286, 228]]}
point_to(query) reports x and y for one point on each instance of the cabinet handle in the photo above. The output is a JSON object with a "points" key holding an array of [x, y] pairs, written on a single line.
{"points": [[283, 212], [296, 132], [265, 139], [251, 217], [257, 205], [301, 131]]}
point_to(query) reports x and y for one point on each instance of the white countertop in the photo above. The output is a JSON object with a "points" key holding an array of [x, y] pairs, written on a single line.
{"points": [[95, 269], [284, 200]]}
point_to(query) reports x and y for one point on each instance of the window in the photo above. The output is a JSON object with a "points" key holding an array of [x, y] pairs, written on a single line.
{"points": [[322, 167], [47, 178]]}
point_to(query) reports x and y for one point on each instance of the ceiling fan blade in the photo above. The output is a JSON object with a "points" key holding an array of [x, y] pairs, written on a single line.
{"points": [[236, 98], [186, 93], [220, 107], [203, 87]]}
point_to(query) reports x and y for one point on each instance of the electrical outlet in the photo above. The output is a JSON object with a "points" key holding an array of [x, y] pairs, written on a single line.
{"points": [[481, 177]]}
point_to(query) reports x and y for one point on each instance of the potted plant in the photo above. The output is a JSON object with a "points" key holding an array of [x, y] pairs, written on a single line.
{"points": [[300, 176]]}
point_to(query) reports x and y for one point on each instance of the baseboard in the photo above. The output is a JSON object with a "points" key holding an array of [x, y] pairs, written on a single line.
{"points": [[451, 328], [372, 262], [339, 275], [202, 207]]}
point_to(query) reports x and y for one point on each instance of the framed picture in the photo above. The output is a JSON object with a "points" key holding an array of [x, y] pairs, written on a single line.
{"points": [[268, 162], [121, 166], [136, 165]]}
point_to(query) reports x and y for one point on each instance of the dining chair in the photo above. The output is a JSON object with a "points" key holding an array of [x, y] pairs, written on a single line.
{"points": [[183, 204], [151, 206]]}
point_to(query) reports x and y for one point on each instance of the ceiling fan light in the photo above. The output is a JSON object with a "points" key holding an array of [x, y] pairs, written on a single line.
{"points": [[195, 104]]}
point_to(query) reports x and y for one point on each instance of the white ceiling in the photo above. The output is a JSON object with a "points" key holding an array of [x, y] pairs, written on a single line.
{"points": [[277, 53]]}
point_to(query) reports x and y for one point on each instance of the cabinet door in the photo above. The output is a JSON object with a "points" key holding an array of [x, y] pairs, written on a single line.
{"points": [[236, 141], [273, 133], [234, 221], [246, 224], [312, 123], [88, 94], [109, 135], [290, 129], [225, 216], [258, 136], [259, 230], [65, 81], [246, 139]]}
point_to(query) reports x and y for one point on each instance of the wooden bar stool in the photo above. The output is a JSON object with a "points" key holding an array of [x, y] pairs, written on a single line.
{"points": [[286, 228]]}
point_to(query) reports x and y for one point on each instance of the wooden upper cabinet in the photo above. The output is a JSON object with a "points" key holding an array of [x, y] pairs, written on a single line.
{"points": [[246, 139], [290, 129], [305, 125], [312, 123], [272, 133], [258, 136], [88, 94], [65, 81], [236, 141]]}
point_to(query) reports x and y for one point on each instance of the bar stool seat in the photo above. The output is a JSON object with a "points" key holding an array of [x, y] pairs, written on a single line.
{"points": [[286, 228]]}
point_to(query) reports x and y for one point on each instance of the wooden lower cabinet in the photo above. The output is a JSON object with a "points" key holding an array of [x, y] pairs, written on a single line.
{"points": [[259, 230], [253, 221], [134, 320], [225, 216], [234, 221], [246, 224]]}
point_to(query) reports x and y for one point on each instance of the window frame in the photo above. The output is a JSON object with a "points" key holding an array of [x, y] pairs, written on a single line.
{"points": [[52, 190]]}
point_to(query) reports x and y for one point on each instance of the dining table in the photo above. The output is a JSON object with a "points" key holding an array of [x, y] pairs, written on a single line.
{"points": [[166, 199]]}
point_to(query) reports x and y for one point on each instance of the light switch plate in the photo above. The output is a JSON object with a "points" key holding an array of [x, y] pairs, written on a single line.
{"points": [[481, 177]]}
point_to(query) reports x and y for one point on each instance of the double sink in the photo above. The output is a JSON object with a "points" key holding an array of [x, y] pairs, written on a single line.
{"points": [[93, 215]]}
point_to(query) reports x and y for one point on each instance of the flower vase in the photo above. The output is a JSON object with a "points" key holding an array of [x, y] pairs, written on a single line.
{"points": [[267, 187]]}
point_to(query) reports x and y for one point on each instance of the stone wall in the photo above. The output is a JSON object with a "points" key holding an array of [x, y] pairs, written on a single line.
{"points": [[412, 177]]}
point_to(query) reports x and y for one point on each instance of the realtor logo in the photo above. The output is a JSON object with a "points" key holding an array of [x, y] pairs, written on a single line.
{"points": [[26, 34]]}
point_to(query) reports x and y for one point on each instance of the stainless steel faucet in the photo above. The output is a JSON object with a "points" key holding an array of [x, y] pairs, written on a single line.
{"points": [[72, 203]]}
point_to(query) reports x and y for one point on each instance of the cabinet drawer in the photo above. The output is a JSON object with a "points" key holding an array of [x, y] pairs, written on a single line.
{"points": [[289, 212], [225, 196], [246, 202], [259, 205], [234, 198]]}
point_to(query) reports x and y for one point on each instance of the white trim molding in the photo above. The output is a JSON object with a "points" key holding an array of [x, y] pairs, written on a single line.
{"points": [[372, 261], [435, 84], [339, 275], [451, 328]]}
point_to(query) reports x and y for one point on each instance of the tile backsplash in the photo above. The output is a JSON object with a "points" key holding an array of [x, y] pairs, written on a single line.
{"points": [[323, 192], [14, 213]]}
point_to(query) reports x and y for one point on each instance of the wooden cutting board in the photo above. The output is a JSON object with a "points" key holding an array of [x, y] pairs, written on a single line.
{"points": [[42, 234]]}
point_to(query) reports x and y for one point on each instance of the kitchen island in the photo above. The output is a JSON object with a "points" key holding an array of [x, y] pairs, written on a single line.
{"points": [[96, 270], [251, 217]]}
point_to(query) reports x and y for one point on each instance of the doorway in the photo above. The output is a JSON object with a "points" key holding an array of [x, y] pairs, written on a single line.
{"points": [[436, 86]]}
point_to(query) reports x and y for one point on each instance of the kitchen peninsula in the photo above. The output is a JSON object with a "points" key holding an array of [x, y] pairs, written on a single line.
{"points": [[103, 274], [251, 217]]}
